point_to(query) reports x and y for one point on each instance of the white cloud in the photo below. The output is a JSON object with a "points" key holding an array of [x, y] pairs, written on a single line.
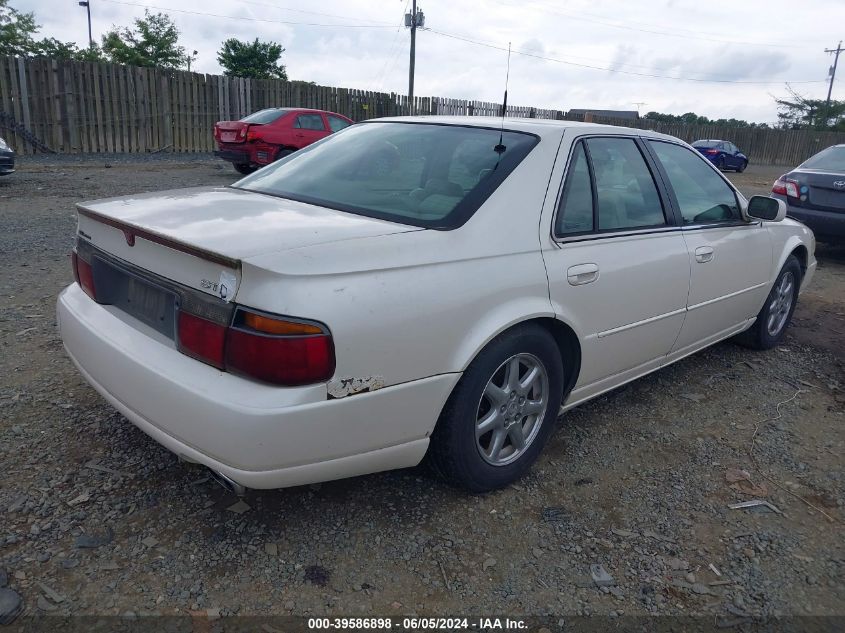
{"points": [[664, 37]]}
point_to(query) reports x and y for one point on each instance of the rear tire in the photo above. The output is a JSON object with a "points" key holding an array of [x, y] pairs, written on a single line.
{"points": [[742, 167], [774, 317], [720, 165], [244, 168], [501, 413]]}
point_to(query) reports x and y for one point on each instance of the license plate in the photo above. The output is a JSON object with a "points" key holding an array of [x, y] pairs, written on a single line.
{"points": [[228, 136], [828, 198], [149, 303]]}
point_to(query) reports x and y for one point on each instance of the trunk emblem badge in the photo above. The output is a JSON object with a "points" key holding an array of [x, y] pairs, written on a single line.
{"points": [[130, 237]]}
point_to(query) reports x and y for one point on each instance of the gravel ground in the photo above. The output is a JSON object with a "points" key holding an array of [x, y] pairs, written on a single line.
{"points": [[95, 518]]}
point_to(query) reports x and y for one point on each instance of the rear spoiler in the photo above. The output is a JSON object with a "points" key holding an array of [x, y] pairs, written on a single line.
{"points": [[132, 232]]}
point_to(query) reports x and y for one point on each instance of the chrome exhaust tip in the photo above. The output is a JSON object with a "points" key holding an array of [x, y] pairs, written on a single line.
{"points": [[228, 483]]}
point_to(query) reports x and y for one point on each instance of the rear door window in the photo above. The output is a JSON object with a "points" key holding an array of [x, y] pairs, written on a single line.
{"points": [[625, 191], [703, 196], [575, 214], [608, 187], [309, 122]]}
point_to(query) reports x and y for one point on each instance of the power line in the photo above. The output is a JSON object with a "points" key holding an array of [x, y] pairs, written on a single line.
{"points": [[612, 64], [654, 30], [326, 15], [248, 19], [618, 70]]}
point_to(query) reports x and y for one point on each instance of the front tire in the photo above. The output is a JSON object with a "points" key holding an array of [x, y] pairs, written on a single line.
{"points": [[501, 413], [774, 317], [742, 167]]}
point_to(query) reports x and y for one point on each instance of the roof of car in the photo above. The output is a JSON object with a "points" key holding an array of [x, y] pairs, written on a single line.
{"points": [[540, 127]]}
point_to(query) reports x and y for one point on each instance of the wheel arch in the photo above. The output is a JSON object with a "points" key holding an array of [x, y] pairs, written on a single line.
{"points": [[802, 255], [569, 347], [564, 334], [794, 246]]}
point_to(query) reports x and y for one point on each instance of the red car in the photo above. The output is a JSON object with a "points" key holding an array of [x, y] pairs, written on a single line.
{"points": [[270, 134]]}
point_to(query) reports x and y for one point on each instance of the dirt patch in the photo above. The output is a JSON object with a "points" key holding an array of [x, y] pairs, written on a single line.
{"points": [[634, 481]]}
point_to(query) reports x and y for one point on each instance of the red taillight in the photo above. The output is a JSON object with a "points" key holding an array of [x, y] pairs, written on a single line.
{"points": [[201, 339], [281, 360], [242, 132], [786, 187], [84, 275], [711, 151], [266, 348], [251, 136], [74, 261]]}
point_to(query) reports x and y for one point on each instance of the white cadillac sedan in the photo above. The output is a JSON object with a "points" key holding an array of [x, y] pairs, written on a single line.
{"points": [[409, 288]]}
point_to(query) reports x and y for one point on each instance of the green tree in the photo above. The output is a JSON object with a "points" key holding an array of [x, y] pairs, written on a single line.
{"points": [[54, 49], [798, 112], [256, 60], [16, 31], [17, 37], [153, 42], [691, 118]]}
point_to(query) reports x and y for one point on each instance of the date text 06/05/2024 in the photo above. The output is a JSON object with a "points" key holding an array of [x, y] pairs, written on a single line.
{"points": [[418, 624]]}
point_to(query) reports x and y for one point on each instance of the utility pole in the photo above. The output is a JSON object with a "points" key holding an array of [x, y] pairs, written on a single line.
{"points": [[836, 52], [87, 5], [639, 105], [413, 20]]}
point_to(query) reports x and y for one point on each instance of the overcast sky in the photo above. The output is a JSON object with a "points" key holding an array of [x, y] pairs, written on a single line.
{"points": [[773, 41]]}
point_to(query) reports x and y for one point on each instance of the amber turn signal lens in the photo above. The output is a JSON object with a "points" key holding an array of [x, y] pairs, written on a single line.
{"points": [[275, 326]]}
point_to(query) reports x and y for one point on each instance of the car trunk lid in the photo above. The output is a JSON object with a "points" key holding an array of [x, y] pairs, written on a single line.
{"points": [[232, 131], [197, 237], [824, 190]]}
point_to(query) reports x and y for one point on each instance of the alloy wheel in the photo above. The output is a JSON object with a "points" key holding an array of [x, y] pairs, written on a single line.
{"points": [[781, 304], [511, 409]]}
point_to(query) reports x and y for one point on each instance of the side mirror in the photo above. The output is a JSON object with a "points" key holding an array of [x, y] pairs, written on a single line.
{"points": [[765, 208]]}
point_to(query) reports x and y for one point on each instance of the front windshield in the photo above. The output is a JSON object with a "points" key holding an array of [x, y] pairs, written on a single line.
{"points": [[830, 159], [429, 175]]}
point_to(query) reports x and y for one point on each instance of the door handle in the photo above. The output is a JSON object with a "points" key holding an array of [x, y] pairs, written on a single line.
{"points": [[582, 274], [704, 254]]}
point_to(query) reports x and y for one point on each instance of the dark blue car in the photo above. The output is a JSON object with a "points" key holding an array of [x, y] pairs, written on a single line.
{"points": [[723, 154]]}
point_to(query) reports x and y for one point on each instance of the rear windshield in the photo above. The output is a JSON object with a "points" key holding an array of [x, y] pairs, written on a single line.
{"points": [[265, 116], [428, 175], [705, 143], [830, 159]]}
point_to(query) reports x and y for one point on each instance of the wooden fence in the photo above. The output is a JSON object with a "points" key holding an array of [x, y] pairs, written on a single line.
{"points": [[81, 107]]}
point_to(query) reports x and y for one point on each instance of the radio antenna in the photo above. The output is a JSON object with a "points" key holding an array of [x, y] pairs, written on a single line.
{"points": [[499, 149]]}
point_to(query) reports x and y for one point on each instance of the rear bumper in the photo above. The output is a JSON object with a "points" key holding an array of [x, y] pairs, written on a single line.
{"points": [[239, 157], [258, 435], [826, 225], [7, 163]]}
